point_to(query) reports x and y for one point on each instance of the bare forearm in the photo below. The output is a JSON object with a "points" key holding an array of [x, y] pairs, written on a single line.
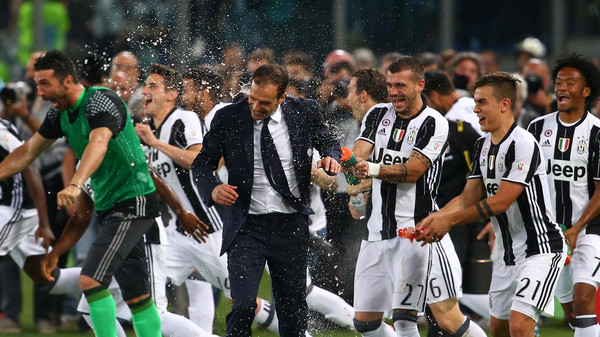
{"points": [[182, 157], [76, 226], [483, 209], [16, 162], [93, 155], [324, 180]]}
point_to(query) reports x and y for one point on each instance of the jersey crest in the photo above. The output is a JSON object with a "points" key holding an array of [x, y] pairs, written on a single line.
{"points": [[398, 135], [563, 144]]}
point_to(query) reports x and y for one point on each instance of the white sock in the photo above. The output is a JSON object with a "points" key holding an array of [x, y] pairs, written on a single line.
{"points": [[88, 320], [66, 282], [384, 330], [267, 316], [174, 325], [201, 304], [406, 329], [586, 326], [472, 329], [333, 307], [479, 303]]}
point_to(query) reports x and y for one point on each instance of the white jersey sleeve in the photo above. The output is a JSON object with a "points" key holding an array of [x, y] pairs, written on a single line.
{"points": [[522, 163], [432, 138]]}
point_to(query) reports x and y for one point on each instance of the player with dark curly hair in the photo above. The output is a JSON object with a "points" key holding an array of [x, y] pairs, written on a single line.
{"points": [[570, 141]]}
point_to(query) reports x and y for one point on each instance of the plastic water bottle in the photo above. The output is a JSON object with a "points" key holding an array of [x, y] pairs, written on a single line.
{"points": [[349, 159], [410, 233], [359, 204]]}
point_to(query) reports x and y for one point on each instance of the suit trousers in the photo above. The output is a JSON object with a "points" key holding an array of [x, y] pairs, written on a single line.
{"points": [[281, 241]]}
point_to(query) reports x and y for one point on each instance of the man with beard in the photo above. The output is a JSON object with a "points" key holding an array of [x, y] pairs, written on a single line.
{"points": [[96, 124]]}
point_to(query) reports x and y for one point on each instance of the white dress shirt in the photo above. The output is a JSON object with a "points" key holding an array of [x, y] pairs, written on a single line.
{"points": [[264, 198]]}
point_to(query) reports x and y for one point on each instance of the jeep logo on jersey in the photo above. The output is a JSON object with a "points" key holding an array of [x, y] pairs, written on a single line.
{"points": [[491, 162], [398, 134], [389, 157], [163, 169], [581, 146], [566, 170], [491, 188], [563, 144]]}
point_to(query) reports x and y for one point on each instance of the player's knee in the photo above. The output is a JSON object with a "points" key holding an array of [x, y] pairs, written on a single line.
{"points": [[86, 283], [362, 327]]}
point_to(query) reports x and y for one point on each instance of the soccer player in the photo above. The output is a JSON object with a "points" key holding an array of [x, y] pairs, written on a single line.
{"points": [[405, 140], [570, 139], [98, 128], [512, 181]]}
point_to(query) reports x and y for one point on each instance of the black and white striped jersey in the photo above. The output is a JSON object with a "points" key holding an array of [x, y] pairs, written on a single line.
{"points": [[572, 154], [181, 128], [393, 206], [528, 226], [13, 190]]}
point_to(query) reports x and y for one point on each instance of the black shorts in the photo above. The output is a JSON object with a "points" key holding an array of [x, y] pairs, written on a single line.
{"points": [[119, 248]]}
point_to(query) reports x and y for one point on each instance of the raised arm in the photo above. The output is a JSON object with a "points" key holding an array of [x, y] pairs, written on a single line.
{"points": [[183, 157], [90, 161], [24, 155]]}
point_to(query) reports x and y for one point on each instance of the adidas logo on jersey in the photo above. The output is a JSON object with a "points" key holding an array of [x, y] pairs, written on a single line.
{"points": [[381, 132], [546, 143]]}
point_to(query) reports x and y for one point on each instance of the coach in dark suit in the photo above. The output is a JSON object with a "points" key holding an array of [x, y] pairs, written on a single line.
{"points": [[267, 141]]}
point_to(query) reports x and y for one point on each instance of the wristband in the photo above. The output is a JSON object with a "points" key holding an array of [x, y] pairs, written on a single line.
{"points": [[373, 170], [79, 187]]}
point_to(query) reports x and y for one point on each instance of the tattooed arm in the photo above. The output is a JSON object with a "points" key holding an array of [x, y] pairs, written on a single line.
{"points": [[408, 172]]}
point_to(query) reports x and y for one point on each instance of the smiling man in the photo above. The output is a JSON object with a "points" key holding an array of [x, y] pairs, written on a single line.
{"points": [[570, 141], [98, 128], [266, 142], [509, 174], [405, 140]]}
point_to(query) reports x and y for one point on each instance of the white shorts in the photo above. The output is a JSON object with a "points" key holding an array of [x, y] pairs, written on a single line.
{"points": [[17, 235], [586, 259], [391, 274], [564, 289], [184, 255], [527, 287], [445, 279]]}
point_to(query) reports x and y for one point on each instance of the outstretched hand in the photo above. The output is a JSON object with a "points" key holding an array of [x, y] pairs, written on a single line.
{"points": [[433, 228], [193, 226]]}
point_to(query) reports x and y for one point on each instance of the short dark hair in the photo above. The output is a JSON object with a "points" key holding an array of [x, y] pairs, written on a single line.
{"points": [[301, 59], [466, 55], [373, 82], [171, 78], [204, 78], [408, 63], [438, 81], [590, 73], [262, 54], [504, 85], [272, 74], [58, 61]]}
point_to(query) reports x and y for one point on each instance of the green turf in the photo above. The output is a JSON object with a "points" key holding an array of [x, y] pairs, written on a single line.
{"points": [[552, 328]]}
